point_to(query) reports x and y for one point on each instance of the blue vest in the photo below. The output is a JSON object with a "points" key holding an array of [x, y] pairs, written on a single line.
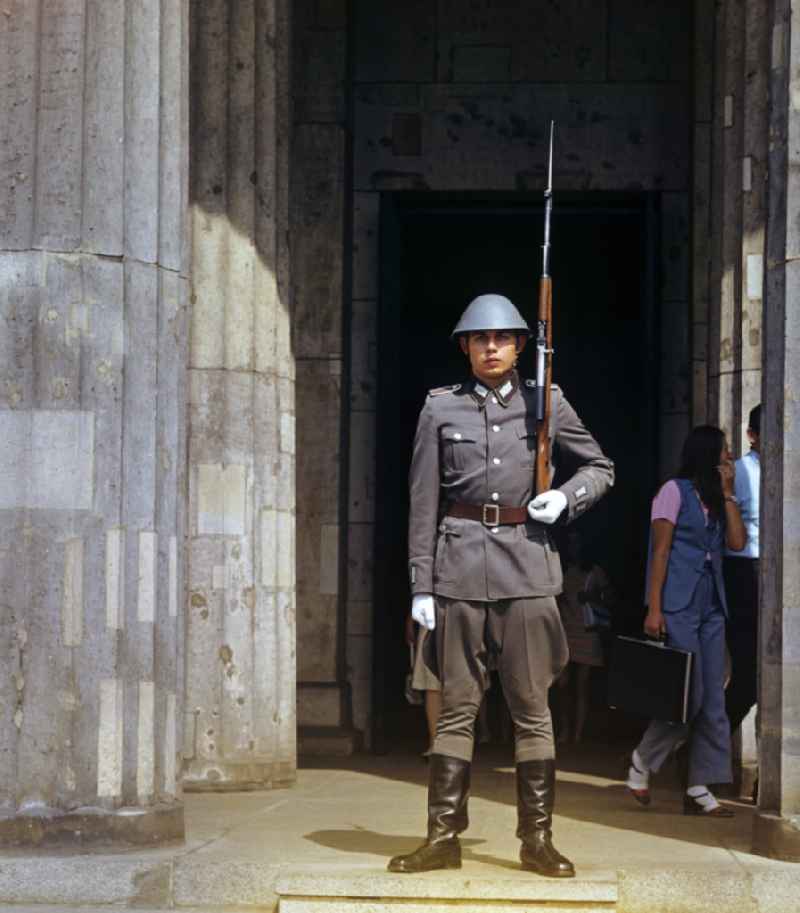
{"points": [[692, 539]]}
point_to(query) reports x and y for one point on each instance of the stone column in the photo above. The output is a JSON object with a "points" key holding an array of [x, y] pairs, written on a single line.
{"points": [[240, 689], [93, 293], [776, 832]]}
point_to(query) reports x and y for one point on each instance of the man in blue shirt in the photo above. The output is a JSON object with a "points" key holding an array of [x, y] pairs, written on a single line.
{"points": [[741, 584]]}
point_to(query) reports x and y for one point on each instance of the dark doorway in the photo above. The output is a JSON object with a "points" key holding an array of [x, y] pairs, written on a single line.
{"points": [[437, 253]]}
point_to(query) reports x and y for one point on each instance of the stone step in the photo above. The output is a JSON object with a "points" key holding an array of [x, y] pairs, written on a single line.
{"points": [[320, 890], [91, 908]]}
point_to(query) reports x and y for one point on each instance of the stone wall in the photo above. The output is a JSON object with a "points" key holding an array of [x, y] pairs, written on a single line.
{"points": [[93, 300], [736, 219], [318, 225]]}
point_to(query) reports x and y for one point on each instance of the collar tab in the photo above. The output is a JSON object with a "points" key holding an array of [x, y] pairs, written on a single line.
{"points": [[503, 393]]}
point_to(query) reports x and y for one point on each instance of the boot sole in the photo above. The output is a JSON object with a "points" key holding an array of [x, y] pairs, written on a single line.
{"points": [[418, 871], [528, 867], [719, 812]]}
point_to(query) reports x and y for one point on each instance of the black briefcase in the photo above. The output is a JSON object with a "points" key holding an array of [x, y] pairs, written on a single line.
{"points": [[647, 678]]}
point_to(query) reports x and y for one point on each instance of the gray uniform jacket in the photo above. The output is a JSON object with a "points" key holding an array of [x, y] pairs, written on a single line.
{"points": [[478, 446]]}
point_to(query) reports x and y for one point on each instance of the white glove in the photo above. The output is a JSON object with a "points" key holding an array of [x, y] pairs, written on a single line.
{"points": [[548, 506], [423, 610]]}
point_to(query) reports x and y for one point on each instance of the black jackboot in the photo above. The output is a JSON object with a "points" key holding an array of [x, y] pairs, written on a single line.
{"points": [[448, 791], [536, 789]]}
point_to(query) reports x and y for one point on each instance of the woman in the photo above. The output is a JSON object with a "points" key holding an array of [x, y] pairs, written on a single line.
{"points": [[693, 516]]}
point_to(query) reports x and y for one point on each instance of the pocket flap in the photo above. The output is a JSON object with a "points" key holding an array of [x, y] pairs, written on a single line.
{"points": [[449, 529], [456, 436]]}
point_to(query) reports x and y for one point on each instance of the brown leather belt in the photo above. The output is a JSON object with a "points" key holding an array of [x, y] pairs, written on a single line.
{"points": [[488, 514]]}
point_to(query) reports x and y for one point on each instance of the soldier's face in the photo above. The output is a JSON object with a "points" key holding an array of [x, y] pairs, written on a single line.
{"points": [[492, 353]]}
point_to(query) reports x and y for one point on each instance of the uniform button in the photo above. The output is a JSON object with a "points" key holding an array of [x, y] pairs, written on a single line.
{"points": [[495, 529], [457, 436], [495, 496], [496, 461], [494, 400], [495, 427]]}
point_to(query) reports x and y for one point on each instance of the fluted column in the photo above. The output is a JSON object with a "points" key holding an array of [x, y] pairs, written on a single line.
{"points": [[240, 697], [776, 832], [92, 417]]}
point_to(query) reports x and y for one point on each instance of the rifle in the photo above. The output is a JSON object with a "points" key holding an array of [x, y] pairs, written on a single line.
{"points": [[544, 342]]}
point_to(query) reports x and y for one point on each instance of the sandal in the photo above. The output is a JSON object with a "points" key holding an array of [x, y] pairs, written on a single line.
{"points": [[692, 807]]}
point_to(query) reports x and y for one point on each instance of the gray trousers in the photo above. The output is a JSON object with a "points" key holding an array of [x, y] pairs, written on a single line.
{"points": [[699, 628], [527, 638]]}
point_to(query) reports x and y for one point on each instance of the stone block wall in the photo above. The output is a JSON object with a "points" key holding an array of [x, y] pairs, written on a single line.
{"points": [[318, 226], [734, 94]]}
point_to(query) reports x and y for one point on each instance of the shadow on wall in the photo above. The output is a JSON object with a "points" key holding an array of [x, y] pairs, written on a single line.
{"points": [[239, 190]]}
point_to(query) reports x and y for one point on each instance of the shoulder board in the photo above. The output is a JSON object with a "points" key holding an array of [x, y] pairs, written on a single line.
{"points": [[438, 391]]}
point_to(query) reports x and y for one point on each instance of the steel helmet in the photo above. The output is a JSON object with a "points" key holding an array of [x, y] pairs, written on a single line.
{"points": [[490, 312]]}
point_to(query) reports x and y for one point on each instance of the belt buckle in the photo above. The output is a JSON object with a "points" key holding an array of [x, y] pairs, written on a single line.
{"points": [[485, 514]]}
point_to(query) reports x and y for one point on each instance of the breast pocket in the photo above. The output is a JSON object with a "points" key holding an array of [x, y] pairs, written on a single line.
{"points": [[527, 439], [457, 447]]}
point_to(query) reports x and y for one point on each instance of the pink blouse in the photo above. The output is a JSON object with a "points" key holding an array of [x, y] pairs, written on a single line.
{"points": [[667, 504]]}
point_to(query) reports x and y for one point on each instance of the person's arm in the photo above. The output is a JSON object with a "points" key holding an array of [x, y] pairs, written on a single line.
{"points": [[735, 532], [661, 533], [424, 503], [595, 473]]}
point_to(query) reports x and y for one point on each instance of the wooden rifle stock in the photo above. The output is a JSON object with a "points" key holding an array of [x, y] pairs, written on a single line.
{"points": [[542, 478]]}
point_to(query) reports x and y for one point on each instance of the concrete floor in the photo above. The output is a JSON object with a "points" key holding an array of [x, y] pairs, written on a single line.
{"points": [[366, 810], [353, 815]]}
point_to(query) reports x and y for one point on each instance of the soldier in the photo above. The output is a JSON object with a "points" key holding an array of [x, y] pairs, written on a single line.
{"points": [[485, 574]]}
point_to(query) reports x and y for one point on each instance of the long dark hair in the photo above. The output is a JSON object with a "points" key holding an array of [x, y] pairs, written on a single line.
{"points": [[699, 462]]}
